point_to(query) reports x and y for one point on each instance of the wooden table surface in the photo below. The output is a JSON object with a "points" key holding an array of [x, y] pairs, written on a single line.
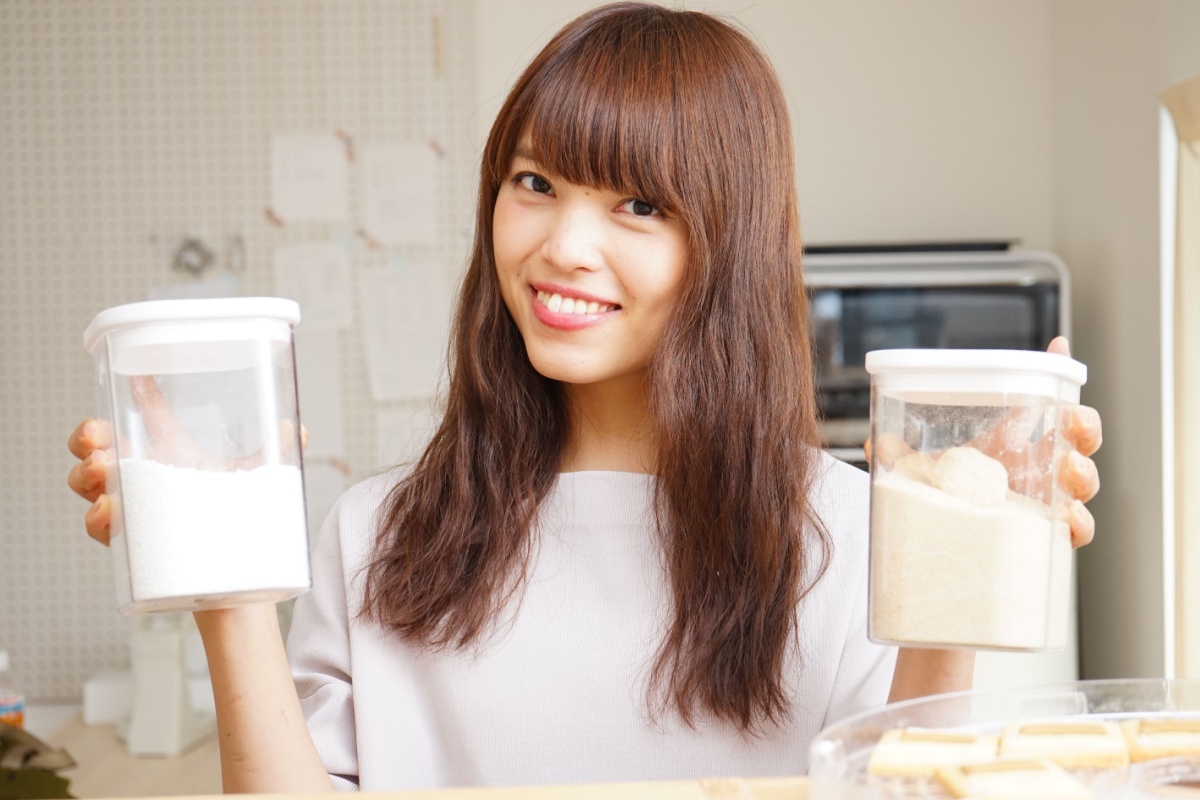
{"points": [[107, 770]]}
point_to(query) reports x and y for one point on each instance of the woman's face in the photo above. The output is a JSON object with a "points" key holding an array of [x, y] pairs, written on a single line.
{"points": [[589, 275]]}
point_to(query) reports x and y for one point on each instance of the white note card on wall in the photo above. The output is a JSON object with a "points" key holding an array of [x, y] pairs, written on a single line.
{"points": [[319, 379], [323, 485], [317, 276], [399, 192], [310, 177], [405, 321]]}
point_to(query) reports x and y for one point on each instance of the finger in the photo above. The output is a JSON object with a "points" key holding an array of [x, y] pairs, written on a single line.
{"points": [[87, 478], [1029, 468], [1083, 429], [156, 412], [304, 439], [1083, 525], [887, 449], [91, 435], [1011, 433], [1059, 345], [1078, 476], [97, 519]]}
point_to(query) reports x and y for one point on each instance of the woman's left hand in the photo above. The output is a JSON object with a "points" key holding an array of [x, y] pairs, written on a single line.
{"points": [[1079, 475], [1008, 442]]}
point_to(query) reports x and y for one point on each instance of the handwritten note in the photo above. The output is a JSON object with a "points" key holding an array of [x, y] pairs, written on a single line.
{"points": [[324, 483], [405, 322], [399, 193], [309, 177], [317, 276], [319, 384]]}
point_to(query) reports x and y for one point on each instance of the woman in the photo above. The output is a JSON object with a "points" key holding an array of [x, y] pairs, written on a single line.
{"points": [[620, 556]]}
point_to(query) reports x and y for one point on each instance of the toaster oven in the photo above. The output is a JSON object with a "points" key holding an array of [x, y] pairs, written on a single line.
{"points": [[872, 300]]}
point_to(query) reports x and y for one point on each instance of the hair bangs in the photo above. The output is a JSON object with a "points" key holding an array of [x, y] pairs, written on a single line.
{"points": [[604, 116]]}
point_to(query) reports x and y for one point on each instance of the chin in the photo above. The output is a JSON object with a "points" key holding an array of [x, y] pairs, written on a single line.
{"points": [[556, 370]]}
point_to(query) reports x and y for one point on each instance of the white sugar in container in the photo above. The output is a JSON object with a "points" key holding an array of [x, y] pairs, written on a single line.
{"points": [[970, 535], [198, 398]]}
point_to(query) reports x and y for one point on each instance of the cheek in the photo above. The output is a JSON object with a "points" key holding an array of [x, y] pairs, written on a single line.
{"points": [[662, 285], [501, 234], [506, 245]]}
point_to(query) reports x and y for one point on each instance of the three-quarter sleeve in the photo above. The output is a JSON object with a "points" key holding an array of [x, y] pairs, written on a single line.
{"points": [[319, 653]]}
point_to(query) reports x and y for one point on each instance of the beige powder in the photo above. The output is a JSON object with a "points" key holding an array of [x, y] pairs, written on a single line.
{"points": [[965, 561]]}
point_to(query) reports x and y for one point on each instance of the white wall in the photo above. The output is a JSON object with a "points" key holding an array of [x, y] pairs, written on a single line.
{"points": [[1110, 60], [922, 119]]}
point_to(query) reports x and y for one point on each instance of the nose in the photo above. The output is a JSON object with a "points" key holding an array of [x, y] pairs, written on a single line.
{"points": [[574, 239]]}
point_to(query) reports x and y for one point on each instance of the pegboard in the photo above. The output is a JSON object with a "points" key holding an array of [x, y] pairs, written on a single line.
{"points": [[125, 127]]}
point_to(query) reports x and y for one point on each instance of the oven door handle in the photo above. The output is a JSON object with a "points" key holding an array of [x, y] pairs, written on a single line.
{"points": [[888, 279]]}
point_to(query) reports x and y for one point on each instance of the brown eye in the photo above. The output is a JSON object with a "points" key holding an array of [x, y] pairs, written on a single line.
{"points": [[640, 208], [535, 183]]}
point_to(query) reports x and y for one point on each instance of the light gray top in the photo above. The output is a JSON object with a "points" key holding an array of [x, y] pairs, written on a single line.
{"points": [[558, 694]]}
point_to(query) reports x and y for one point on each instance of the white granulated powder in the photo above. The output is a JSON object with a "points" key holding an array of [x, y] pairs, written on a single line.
{"points": [[958, 560], [192, 532]]}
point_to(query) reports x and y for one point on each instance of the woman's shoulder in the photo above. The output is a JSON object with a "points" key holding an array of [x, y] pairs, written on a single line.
{"points": [[840, 492], [356, 512]]}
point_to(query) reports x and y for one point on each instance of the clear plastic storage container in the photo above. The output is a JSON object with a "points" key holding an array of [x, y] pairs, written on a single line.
{"points": [[840, 765], [204, 467], [970, 537]]}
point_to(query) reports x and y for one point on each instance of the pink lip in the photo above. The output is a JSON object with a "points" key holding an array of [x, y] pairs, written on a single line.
{"points": [[567, 322]]}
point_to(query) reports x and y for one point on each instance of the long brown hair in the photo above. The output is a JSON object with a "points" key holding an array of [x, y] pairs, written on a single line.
{"points": [[683, 111]]}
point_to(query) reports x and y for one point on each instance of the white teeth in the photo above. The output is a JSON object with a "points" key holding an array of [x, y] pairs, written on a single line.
{"points": [[570, 305]]}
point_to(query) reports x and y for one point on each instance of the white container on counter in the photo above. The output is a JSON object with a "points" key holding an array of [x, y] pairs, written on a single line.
{"points": [[204, 466], [970, 537]]}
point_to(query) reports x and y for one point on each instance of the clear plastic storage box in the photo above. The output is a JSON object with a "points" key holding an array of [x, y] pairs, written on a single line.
{"points": [[204, 469], [970, 536], [840, 757]]}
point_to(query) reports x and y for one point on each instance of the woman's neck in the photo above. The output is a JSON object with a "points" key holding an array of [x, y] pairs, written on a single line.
{"points": [[611, 429]]}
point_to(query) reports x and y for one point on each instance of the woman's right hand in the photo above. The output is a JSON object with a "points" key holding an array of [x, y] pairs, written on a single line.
{"points": [[91, 443], [168, 441], [264, 741]]}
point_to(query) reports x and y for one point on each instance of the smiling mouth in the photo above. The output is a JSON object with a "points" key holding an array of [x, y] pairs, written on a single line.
{"points": [[560, 304]]}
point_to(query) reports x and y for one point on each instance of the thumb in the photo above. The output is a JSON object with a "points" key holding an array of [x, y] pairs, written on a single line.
{"points": [[1059, 345]]}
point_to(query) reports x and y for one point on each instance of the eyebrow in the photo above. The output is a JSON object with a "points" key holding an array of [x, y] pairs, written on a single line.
{"points": [[524, 152]]}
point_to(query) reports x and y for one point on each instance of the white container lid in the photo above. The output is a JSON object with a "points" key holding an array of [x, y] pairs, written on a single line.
{"points": [[961, 376], [221, 308]]}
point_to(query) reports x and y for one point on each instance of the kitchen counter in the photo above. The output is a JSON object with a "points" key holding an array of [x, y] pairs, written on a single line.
{"points": [[107, 770]]}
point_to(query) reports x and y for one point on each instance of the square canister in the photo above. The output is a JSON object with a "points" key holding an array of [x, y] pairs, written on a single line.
{"points": [[970, 534], [197, 399]]}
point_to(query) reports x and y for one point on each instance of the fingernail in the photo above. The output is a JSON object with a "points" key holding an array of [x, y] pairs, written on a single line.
{"points": [[1078, 462], [89, 430], [1089, 416]]}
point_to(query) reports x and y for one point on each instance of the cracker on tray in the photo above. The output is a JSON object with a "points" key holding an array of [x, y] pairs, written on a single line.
{"points": [[1074, 745], [1161, 738], [919, 751], [1013, 779]]}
